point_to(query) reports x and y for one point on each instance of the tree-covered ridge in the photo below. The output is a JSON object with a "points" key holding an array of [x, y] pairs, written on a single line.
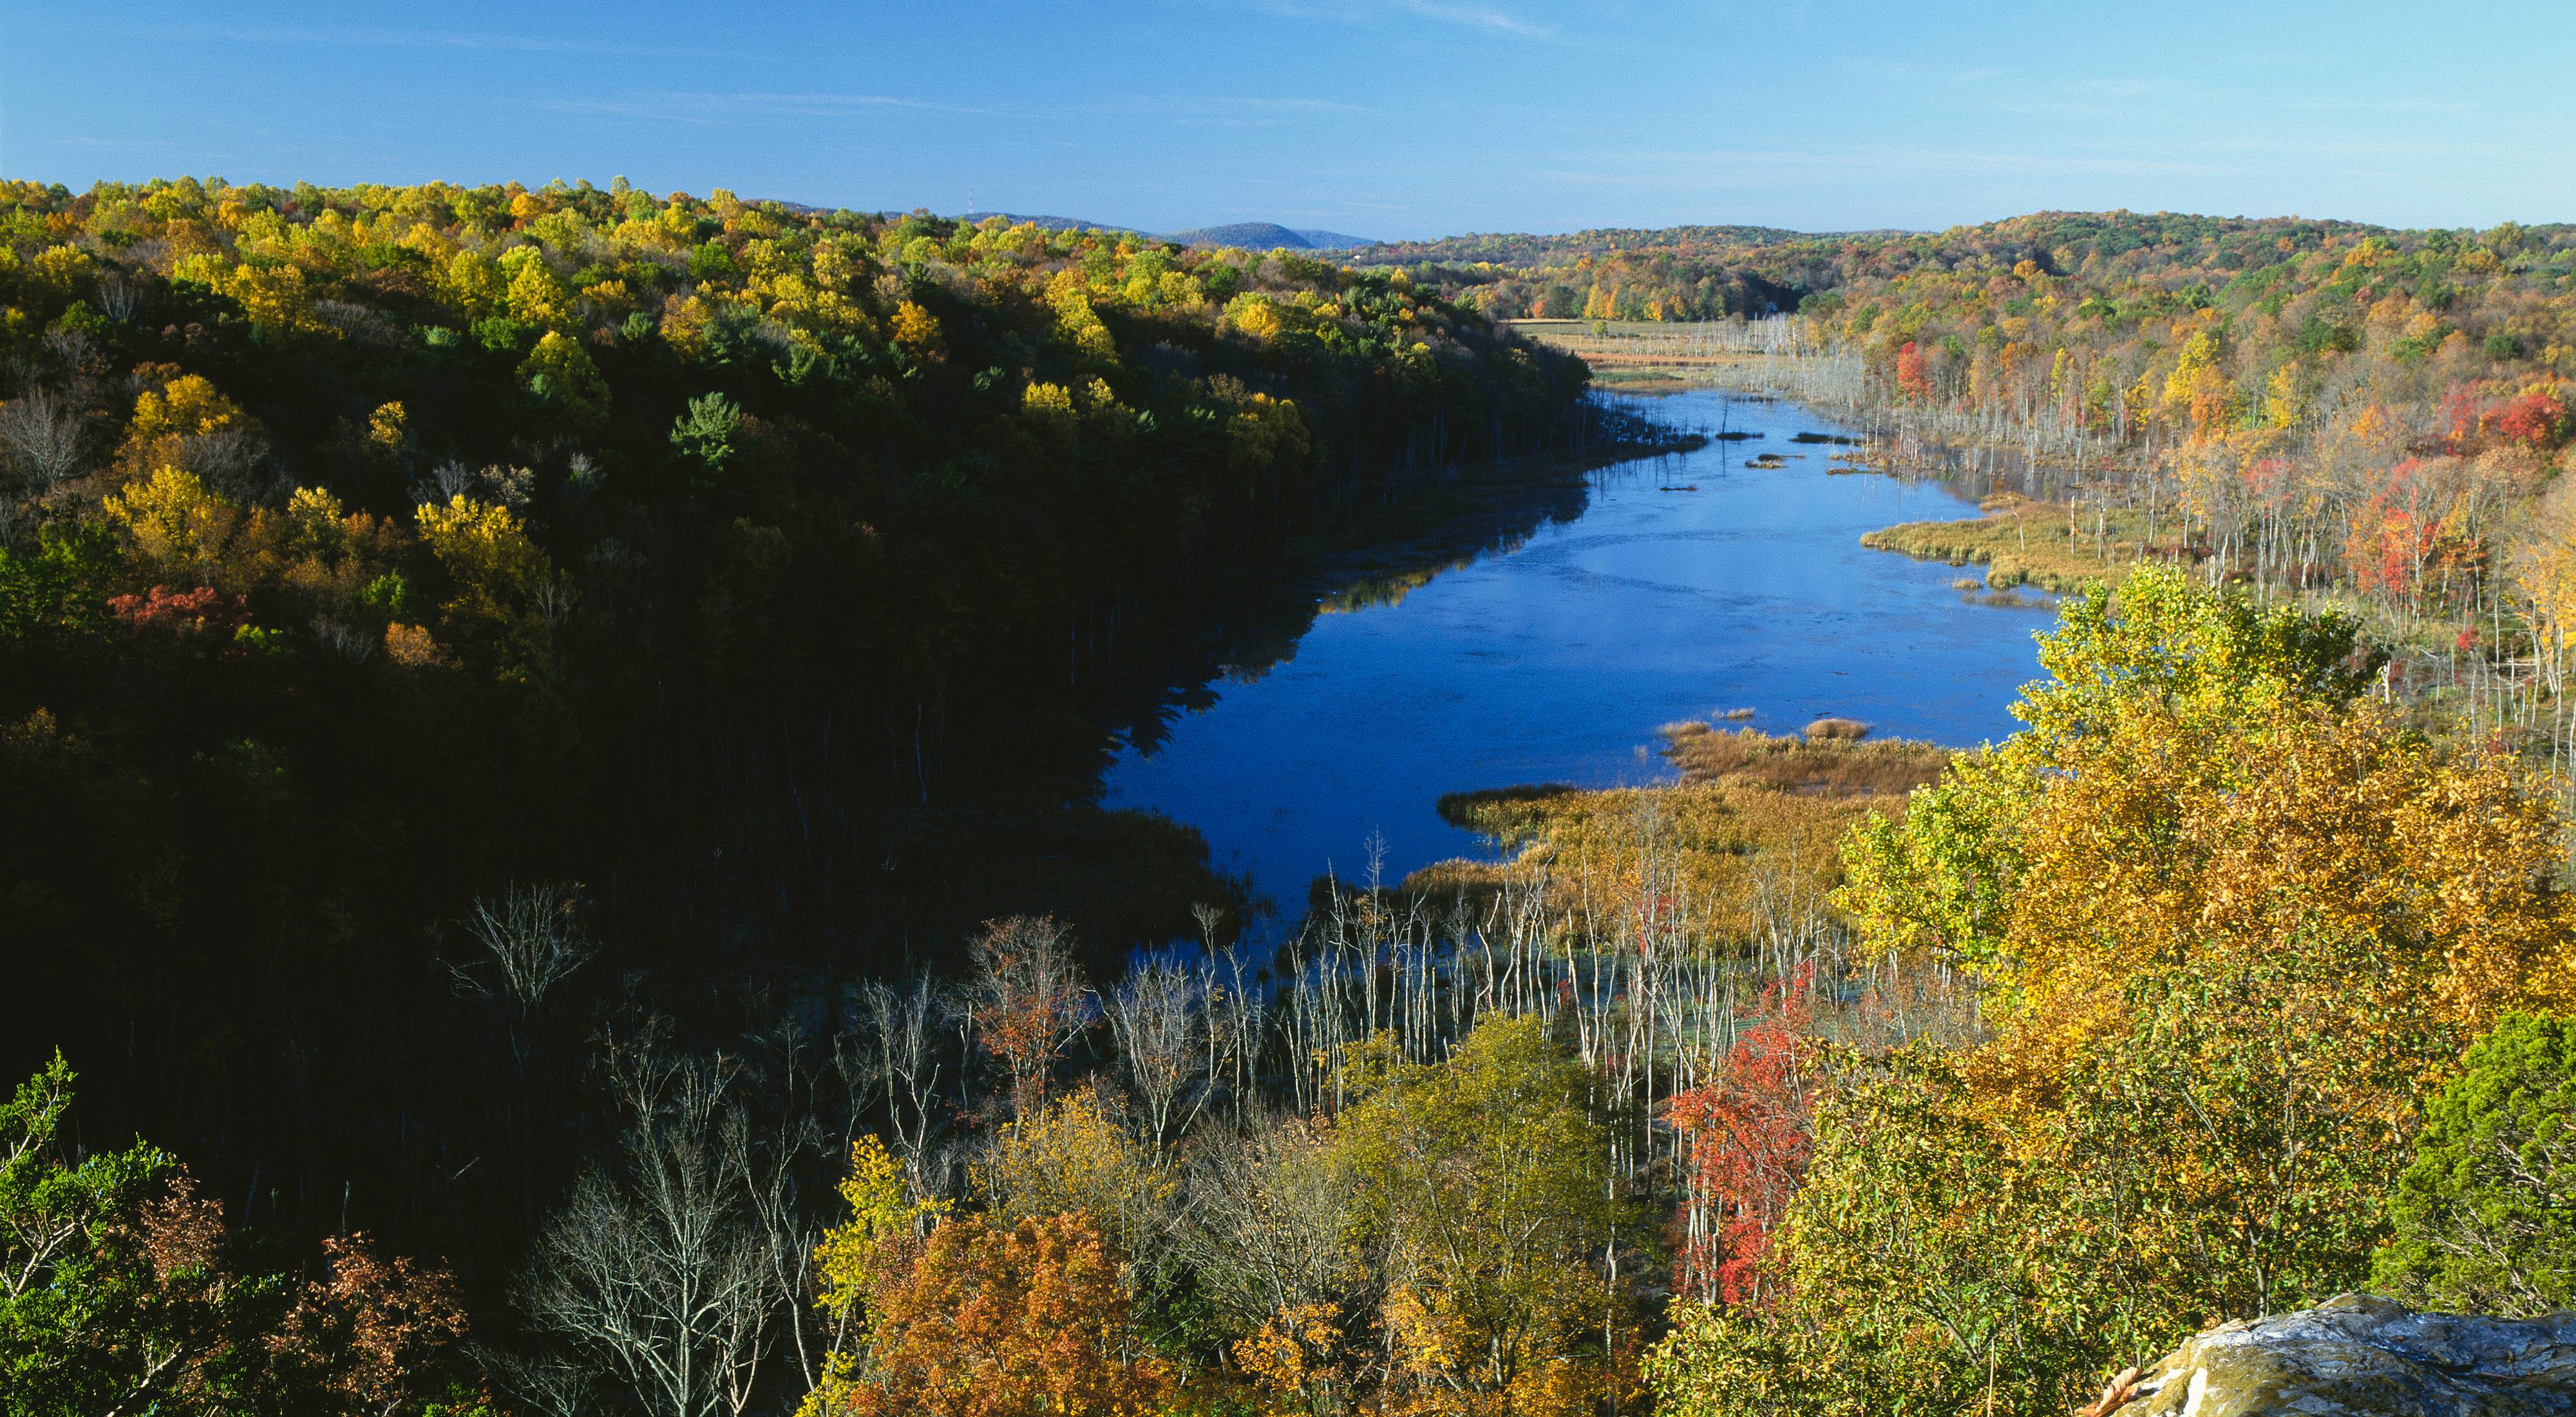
{"points": [[2281, 287], [1507, 248], [2145, 263], [778, 575], [556, 437]]}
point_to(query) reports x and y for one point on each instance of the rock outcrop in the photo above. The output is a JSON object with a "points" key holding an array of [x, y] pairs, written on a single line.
{"points": [[2360, 1356]]}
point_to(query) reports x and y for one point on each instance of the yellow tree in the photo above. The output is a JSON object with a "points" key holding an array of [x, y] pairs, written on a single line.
{"points": [[870, 1250], [1025, 1321], [501, 582]]}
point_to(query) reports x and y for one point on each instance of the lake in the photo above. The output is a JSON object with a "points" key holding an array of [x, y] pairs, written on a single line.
{"points": [[1555, 660]]}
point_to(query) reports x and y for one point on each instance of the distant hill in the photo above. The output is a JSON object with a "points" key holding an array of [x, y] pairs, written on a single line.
{"points": [[1519, 249], [1265, 236], [1048, 223], [1250, 235]]}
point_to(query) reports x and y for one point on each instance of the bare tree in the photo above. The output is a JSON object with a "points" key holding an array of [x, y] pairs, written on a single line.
{"points": [[119, 298], [766, 1166], [1153, 1014], [549, 1383], [40, 439], [532, 941], [904, 1027], [1266, 1224], [658, 1269]]}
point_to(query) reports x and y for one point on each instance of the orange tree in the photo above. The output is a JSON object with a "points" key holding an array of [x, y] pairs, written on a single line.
{"points": [[1002, 1322], [2231, 921]]}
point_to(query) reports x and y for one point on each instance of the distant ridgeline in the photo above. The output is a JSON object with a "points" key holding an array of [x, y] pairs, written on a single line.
{"points": [[363, 549], [1241, 235], [1710, 272]]}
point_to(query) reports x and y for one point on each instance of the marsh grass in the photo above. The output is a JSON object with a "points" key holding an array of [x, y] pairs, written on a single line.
{"points": [[1825, 764], [2045, 544], [1727, 845], [1757, 822]]}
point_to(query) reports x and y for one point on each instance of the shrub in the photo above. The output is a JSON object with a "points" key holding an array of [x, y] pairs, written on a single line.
{"points": [[2485, 1219]]}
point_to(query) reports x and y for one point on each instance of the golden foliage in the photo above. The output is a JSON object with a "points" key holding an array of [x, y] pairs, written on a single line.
{"points": [[169, 418], [916, 331], [1072, 1155], [389, 427], [2322, 829], [412, 647], [177, 525], [995, 1322]]}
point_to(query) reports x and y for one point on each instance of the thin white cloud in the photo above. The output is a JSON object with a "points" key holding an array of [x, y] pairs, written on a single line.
{"points": [[1486, 18], [350, 36], [704, 108], [1481, 17], [1231, 110]]}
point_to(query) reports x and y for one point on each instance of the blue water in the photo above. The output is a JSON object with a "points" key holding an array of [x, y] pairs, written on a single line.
{"points": [[1555, 661]]}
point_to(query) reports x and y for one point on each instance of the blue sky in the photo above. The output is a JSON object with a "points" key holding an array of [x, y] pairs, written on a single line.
{"points": [[1390, 118]]}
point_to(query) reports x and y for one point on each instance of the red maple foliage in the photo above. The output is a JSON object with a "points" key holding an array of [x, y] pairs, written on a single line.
{"points": [[2536, 417], [370, 1324], [186, 611], [1751, 1133], [2392, 541], [1030, 1001], [1909, 372]]}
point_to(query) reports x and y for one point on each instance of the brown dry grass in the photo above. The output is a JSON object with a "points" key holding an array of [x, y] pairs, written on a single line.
{"points": [[1756, 824], [2025, 542], [1821, 763], [1726, 845]]}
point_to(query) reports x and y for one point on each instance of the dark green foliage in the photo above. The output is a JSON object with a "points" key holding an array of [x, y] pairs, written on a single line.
{"points": [[2486, 1217], [705, 435]]}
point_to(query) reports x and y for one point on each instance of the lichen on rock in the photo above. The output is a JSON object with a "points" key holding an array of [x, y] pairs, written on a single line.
{"points": [[2361, 1356]]}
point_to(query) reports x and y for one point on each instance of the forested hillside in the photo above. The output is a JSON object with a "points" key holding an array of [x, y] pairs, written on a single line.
{"points": [[777, 576], [1704, 273]]}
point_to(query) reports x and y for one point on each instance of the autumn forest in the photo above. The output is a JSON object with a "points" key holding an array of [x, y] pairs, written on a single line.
{"points": [[553, 857]]}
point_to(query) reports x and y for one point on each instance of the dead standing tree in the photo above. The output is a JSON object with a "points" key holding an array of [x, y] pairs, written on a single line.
{"points": [[529, 942], [1154, 1015], [658, 1268]]}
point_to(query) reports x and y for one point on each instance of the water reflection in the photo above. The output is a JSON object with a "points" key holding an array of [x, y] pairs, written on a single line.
{"points": [[1677, 588]]}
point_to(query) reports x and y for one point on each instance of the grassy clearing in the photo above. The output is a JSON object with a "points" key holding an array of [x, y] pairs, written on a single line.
{"points": [[2043, 544], [1728, 846]]}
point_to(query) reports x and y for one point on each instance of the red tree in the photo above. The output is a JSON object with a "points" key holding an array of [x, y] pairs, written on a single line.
{"points": [[2536, 417], [1751, 1132], [1909, 372], [186, 611]]}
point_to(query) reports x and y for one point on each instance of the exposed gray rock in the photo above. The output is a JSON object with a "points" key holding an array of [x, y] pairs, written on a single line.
{"points": [[2361, 1356]]}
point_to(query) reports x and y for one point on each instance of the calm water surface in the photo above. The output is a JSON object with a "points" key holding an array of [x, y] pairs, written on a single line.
{"points": [[1556, 660]]}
